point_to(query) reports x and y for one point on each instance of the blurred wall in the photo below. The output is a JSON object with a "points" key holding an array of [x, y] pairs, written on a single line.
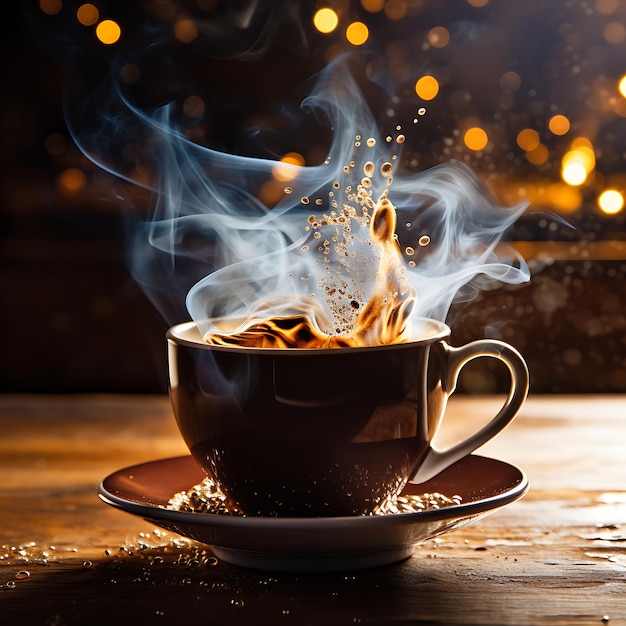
{"points": [[73, 320]]}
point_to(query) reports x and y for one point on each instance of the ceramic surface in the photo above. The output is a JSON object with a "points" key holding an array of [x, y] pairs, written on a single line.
{"points": [[314, 544]]}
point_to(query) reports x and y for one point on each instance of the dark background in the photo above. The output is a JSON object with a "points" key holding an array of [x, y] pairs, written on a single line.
{"points": [[73, 320]]}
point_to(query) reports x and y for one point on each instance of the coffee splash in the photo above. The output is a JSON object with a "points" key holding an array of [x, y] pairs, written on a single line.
{"points": [[339, 259], [356, 318]]}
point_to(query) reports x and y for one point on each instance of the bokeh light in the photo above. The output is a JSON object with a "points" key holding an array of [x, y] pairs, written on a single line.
{"points": [[475, 138], [579, 162], [357, 33], [510, 81], [611, 201], [574, 172], [71, 180], [477, 3], [108, 32], [528, 139], [50, 7], [559, 125], [614, 32], [373, 6], [284, 170], [87, 14], [395, 9], [622, 86], [438, 37], [325, 20], [606, 7], [427, 87], [194, 106], [538, 155], [185, 30]]}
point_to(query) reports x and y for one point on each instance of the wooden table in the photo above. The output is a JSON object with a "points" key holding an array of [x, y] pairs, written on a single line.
{"points": [[558, 556]]}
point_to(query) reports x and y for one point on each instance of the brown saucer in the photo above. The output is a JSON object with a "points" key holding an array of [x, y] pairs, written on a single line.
{"points": [[314, 544]]}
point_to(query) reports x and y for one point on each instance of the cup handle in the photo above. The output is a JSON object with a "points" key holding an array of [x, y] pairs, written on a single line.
{"points": [[435, 461]]}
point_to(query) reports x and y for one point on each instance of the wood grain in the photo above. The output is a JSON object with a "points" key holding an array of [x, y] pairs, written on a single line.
{"points": [[556, 557]]}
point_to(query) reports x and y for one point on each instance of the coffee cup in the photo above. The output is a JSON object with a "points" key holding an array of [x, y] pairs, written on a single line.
{"points": [[330, 431]]}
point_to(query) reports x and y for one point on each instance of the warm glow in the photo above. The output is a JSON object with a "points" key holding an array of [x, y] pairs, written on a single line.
{"points": [[71, 180], [564, 198], [574, 173], [622, 86], [325, 20], [185, 30], [373, 6], [87, 14], [427, 87], [611, 202], [108, 31], [539, 155], [581, 156], [528, 139], [475, 138], [50, 7], [559, 125], [357, 33], [614, 32], [477, 3], [582, 143], [284, 170], [438, 37], [579, 162]]}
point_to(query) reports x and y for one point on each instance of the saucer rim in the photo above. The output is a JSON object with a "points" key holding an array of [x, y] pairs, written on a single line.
{"points": [[155, 512]]}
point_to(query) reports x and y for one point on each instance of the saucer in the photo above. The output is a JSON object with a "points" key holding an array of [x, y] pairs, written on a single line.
{"points": [[318, 544]]}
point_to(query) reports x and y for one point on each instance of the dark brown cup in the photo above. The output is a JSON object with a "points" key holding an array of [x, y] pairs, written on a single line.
{"points": [[320, 432]]}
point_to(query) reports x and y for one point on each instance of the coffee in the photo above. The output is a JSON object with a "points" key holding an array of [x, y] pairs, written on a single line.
{"points": [[354, 244], [310, 432]]}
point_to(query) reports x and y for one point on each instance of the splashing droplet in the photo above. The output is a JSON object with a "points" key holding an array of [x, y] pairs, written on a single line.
{"points": [[424, 240], [410, 251], [288, 190], [386, 169], [368, 169], [400, 139], [421, 111], [371, 142], [304, 200]]}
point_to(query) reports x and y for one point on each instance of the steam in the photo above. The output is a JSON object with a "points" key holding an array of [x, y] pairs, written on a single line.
{"points": [[212, 243]]}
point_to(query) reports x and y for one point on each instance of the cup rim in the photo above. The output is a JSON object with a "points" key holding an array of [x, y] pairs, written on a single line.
{"points": [[176, 334]]}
